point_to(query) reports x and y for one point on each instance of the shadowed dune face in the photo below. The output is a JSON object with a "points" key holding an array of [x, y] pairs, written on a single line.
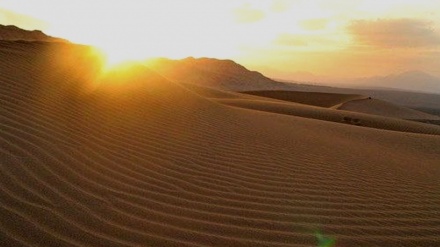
{"points": [[129, 158], [285, 102], [345, 117], [308, 98], [382, 108]]}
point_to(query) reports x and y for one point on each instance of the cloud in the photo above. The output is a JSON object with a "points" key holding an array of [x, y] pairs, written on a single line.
{"points": [[247, 14], [8, 17], [292, 40], [314, 24], [280, 5], [312, 41], [398, 33]]}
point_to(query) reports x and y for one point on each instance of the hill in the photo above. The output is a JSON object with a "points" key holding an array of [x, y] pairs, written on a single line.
{"points": [[14, 33], [214, 73]]}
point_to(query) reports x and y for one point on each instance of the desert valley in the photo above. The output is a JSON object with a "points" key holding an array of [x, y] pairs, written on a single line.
{"points": [[204, 152]]}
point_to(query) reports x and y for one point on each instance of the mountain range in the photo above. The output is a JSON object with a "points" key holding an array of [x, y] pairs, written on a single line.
{"points": [[416, 81], [413, 81]]}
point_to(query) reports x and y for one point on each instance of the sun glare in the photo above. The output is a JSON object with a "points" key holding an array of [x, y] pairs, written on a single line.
{"points": [[113, 58], [118, 53]]}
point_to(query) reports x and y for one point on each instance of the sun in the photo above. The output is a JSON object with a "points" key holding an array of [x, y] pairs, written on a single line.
{"points": [[139, 49], [116, 54]]}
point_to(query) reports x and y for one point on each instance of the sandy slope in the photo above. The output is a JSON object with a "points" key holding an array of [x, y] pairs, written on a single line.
{"points": [[132, 159], [309, 98], [284, 102], [382, 108], [345, 117], [348, 102]]}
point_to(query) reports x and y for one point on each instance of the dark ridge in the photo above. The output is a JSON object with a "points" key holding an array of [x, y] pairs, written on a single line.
{"points": [[14, 33]]}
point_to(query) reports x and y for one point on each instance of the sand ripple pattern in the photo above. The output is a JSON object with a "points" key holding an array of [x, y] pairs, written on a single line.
{"points": [[137, 160]]}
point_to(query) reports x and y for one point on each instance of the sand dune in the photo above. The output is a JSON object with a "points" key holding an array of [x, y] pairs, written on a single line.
{"points": [[345, 117], [429, 103], [309, 98], [132, 159], [348, 102], [284, 102], [212, 93], [382, 108]]}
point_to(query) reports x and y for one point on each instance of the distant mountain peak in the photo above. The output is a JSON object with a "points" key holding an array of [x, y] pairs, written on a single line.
{"points": [[413, 80], [205, 61], [416, 73], [14, 33], [15, 28]]}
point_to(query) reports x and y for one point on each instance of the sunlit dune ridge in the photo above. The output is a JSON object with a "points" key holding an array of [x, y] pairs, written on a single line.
{"points": [[130, 158]]}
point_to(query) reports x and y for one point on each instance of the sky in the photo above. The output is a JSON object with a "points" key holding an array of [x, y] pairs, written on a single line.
{"points": [[280, 38]]}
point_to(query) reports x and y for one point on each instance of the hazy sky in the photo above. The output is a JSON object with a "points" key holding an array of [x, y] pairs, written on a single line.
{"points": [[340, 38]]}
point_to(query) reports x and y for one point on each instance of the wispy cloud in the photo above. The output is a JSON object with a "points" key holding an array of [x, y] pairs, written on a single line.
{"points": [[281, 5], [398, 33], [247, 14], [292, 40], [314, 24], [317, 42]]}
